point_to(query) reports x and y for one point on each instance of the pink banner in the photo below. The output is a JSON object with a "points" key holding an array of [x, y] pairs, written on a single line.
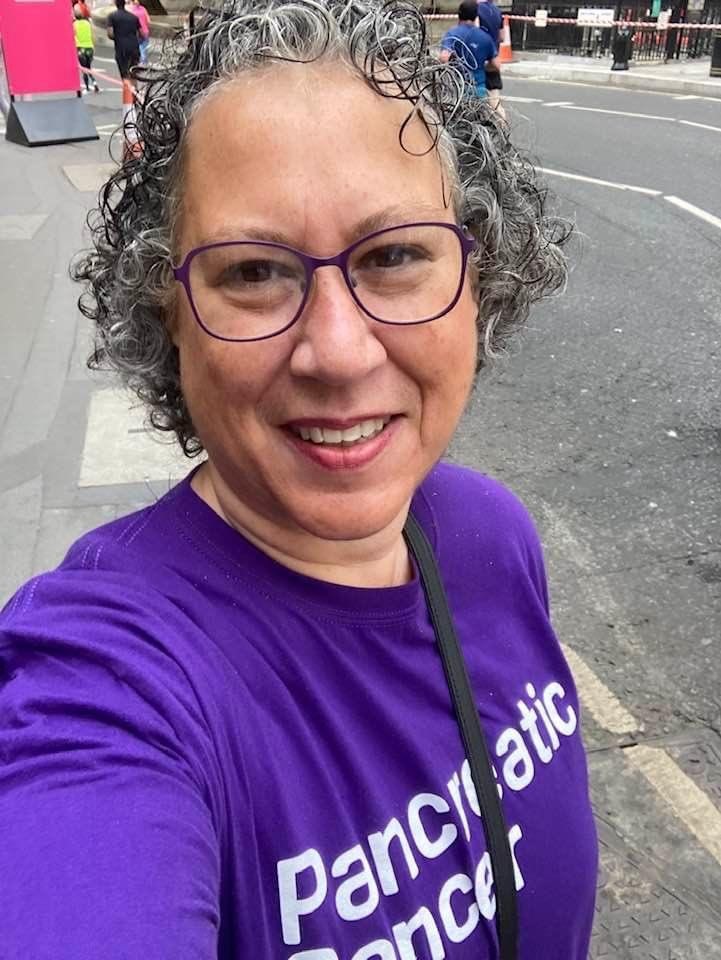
{"points": [[38, 44]]}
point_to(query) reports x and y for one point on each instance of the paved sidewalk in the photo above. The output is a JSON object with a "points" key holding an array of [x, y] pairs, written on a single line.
{"points": [[683, 77]]}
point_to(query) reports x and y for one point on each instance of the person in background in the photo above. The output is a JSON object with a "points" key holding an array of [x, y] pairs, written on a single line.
{"points": [[225, 729], [490, 19], [85, 45], [125, 32], [139, 11], [471, 47]]}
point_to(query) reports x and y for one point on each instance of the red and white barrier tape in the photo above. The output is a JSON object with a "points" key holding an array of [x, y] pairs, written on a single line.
{"points": [[616, 23]]}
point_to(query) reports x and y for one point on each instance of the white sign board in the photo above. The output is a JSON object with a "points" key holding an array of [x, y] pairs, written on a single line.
{"points": [[595, 16], [663, 19], [541, 18]]}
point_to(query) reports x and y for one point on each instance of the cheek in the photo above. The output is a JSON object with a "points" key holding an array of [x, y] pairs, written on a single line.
{"points": [[226, 383], [452, 353]]}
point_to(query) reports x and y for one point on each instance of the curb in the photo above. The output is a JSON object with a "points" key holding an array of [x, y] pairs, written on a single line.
{"points": [[627, 79]]}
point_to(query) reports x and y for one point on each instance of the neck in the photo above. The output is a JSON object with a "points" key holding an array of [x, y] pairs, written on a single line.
{"points": [[379, 560]]}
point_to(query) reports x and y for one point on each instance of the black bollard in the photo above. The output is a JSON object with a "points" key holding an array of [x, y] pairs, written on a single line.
{"points": [[621, 49]]}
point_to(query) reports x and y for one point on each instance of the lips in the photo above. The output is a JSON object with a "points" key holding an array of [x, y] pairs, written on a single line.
{"points": [[342, 444]]}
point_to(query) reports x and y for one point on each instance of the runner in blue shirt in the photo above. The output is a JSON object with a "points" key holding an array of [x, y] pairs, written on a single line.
{"points": [[490, 19], [471, 46]]}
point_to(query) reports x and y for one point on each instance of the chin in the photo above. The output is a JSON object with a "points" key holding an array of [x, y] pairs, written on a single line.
{"points": [[352, 517]]}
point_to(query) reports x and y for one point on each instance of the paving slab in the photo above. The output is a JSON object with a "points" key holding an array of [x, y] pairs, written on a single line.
{"points": [[119, 447], [658, 889], [20, 510], [88, 177], [21, 226]]}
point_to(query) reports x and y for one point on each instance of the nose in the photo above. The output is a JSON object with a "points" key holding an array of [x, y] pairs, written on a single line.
{"points": [[336, 342]]}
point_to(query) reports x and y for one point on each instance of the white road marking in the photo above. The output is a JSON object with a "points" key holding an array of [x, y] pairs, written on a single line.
{"points": [[601, 183], [686, 799], [559, 103], [696, 211], [621, 113], [523, 99], [687, 96], [704, 126], [605, 708], [103, 60]]}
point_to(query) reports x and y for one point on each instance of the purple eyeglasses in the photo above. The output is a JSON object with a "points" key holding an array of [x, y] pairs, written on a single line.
{"points": [[242, 291]]}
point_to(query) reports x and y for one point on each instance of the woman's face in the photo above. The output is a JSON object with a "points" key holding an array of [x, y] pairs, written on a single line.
{"points": [[308, 153]]}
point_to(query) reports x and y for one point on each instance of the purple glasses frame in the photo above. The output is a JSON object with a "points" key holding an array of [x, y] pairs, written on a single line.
{"points": [[311, 264]]}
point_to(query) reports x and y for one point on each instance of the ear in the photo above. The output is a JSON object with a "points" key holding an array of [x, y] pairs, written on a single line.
{"points": [[169, 319]]}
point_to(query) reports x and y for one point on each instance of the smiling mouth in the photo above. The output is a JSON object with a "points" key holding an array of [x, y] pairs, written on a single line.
{"points": [[353, 435]]}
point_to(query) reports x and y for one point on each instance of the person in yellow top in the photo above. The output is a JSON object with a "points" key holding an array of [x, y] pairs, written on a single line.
{"points": [[85, 47]]}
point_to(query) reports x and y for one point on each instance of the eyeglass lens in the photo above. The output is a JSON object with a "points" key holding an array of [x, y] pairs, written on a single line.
{"points": [[405, 275]]}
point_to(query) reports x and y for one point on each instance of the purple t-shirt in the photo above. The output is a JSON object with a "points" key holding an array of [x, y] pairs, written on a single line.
{"points": [[204, 754]]}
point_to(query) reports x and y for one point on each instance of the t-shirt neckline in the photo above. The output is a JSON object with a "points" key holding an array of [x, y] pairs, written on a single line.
{"points": [[228, 549]]}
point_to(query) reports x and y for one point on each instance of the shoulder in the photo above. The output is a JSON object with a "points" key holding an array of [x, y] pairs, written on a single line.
{"points": [[450, 35], [107, 606], [101, 637], [475, 520], [465, 498], [483, 38]]}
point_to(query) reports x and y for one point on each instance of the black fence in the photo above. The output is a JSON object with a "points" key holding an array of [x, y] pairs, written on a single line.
{"points": [[679, 41]]}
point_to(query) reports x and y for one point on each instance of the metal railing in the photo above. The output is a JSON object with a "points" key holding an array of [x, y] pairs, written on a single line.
{"points": [[563, 35], [648, 43]]}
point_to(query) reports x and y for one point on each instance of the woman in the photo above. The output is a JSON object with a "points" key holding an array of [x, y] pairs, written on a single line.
{"points": [[139, 11], [225, 728]]}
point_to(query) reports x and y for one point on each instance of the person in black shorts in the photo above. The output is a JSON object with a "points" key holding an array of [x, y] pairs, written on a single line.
{"points": [[490, 19], [125, 32]]}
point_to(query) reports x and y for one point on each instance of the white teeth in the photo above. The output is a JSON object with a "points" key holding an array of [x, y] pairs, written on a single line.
{"points": [[369, 427], [359, 431], [353, 434]]}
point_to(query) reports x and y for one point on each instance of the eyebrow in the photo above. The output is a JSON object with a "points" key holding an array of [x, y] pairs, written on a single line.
{"points": [[392, 216]]}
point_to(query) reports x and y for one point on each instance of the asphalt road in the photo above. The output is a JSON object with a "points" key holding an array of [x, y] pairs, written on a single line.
{"points": [[604, 416], [609, 416]]}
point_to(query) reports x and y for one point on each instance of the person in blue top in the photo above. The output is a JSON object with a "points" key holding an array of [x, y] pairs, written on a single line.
{"points": [[471, 47], [490, 19]]}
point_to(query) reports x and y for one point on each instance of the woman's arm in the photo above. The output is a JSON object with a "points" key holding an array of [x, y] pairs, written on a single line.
{"points": [[109, 847]]}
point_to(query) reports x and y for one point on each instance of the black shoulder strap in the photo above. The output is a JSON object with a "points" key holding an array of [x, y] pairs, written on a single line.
{"points": [[473, 739]]}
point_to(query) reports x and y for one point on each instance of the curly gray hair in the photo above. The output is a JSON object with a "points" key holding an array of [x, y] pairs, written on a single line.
{"points": [[129, 285]]}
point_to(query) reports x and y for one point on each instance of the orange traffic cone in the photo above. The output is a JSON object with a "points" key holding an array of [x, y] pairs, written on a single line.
{"points": [[505, 51], [132, 146]]}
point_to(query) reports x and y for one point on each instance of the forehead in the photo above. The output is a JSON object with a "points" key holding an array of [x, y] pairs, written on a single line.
{"points": [[311, 147]]}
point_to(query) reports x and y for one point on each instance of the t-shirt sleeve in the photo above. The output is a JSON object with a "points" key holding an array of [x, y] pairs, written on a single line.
{"points": [[108, 840], [448, 42], [490, 49]]}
